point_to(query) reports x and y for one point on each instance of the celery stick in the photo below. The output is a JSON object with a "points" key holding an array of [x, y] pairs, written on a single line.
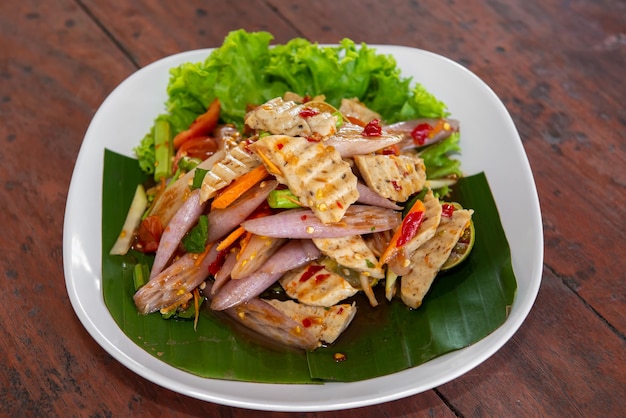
{"points": [[163, 149], [188, 163], [141, 275], [283, 199]]}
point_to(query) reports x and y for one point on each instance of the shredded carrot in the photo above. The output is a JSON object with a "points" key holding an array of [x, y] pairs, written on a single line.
{"points": [[239, 186], [196, 300], [439, 126], [243, 243], [393, 246], [268, 163], [176, 304], [356, 121], [202, 255], [230, 239]]}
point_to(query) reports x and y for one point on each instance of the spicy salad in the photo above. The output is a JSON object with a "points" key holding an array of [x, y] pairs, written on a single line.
{"points": [[289, 179]]}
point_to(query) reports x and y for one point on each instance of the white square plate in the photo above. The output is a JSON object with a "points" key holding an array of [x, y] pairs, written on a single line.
{"points": [[489, 142]]}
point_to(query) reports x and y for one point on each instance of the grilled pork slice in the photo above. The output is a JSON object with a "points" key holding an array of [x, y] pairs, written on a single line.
{"points": [[235, 163], [262, 317], [326, 324], [353, 108], [391, 176], [351, 252], [315, 285], [280, 117], [312, 171], [400, 262], [427, 260], [295, 97]]}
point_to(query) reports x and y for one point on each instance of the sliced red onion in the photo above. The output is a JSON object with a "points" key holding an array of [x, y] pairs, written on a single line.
{"points": [[185, 218], [235, 292], [302, 223], [349, 146], [405, 128], [292, 255], [171, 199], [368, 196], [223, 274], [222, 221], [398, 264], [226, 134], [171, 285]]}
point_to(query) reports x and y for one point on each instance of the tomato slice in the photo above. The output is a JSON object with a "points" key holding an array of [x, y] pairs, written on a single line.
{"points": [[201, 147], [203, 125], [149, 234]]}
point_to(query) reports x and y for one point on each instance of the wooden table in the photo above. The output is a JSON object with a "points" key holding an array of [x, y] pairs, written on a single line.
{"points": [[558, 66]]}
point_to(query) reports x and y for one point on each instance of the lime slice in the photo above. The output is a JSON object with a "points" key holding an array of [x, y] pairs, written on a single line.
{"points": [[463, 247]]}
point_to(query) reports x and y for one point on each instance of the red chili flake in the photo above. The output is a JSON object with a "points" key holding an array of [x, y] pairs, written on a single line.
{"points": [[321, 277], [339, 205], [310, 272], [280, 146], [246, 146], [215, 266], [391, 150], [396, 186], [303, 218], [307, 112], [420, 133], [340, 311], [410, 225], [306, 322], [372, 129], [264, 209], [447, 210]]}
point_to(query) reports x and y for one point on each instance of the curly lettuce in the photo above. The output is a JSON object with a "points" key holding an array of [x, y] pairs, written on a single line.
{"points": [[246, 70]]}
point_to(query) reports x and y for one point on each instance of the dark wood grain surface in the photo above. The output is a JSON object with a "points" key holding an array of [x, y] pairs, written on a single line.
{"points": [[559, 67]]}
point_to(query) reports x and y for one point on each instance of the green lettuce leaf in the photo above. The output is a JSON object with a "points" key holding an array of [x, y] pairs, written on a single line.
{"points": [[245, 70], [195, 240], [438, 161]]}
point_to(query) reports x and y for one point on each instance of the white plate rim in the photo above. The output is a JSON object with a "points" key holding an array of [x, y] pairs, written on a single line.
{"points": [[82, 265]]}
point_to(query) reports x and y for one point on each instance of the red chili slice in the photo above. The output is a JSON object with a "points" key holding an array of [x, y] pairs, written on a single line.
{"points": [[410, 225], [447, 210], [420, 133], [307, 112], [310, 272], [215, 266], [373, 128], [320, 278]]}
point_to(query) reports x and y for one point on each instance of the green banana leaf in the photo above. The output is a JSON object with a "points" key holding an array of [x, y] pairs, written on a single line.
{"points": [[462, 307]]}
